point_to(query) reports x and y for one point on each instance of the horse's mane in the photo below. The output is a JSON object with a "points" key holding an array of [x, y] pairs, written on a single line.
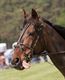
{"points": [[58, 28]]}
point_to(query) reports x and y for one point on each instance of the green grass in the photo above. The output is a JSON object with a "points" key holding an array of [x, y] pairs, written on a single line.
{"points": [[41, 71]]}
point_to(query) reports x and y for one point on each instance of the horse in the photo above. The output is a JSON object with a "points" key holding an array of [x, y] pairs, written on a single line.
{"points": [[38, 36]]}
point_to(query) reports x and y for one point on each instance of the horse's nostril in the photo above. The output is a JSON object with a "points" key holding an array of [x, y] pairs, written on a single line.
{"points": [[16, 60]]}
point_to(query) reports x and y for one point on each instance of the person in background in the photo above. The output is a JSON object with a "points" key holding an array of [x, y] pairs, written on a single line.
{"points": [[8, 56]]}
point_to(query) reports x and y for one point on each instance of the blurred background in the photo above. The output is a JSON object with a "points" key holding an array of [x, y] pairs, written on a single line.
{"points": [[11, 15]]}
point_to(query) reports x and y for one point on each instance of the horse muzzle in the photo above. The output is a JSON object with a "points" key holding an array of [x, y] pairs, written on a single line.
{"points": [[17, 64], [20, 65]]}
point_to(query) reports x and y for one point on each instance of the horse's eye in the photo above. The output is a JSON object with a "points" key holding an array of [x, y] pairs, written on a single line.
{"points": [[31, 34]]}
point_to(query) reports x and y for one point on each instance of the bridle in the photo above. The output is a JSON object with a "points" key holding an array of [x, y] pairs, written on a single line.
{"points": [[34, 43]]}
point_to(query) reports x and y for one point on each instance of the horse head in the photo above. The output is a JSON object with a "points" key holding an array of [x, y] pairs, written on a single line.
{"points": [[30, 41]]}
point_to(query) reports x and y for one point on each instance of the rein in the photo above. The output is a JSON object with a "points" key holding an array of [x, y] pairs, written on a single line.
{"points": [[61, 52]]}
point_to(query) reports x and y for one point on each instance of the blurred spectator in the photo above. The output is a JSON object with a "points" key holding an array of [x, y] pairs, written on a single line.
{"points": [[8, 56], [3, 48], [2, 61]]}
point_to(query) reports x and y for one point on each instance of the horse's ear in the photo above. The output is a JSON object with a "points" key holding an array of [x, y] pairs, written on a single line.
{"points": [[25, 14], [34, 14]]}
